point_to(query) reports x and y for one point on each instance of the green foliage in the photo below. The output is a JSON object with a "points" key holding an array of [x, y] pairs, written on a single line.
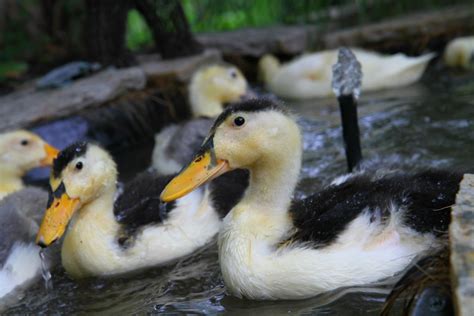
{"points": [[11, 69], [138, 33], [220, 15]]}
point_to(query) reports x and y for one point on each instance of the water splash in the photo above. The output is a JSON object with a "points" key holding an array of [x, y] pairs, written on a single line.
{"points": [[45, 273]]}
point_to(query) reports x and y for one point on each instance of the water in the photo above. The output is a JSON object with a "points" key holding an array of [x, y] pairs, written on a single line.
{"points": [[45, 273], [426, 125]]}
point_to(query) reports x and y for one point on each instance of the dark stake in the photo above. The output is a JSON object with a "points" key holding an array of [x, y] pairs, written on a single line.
{"points": [[350, 130], [346, 82]]}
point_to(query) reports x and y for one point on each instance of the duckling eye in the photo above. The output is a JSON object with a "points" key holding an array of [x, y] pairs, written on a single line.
{"points": [[24, 142], [79, 165], [233, 74], [239, 121]]}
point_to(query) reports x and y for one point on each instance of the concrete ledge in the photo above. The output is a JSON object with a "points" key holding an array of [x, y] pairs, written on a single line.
{"points": [[461, 233], [27, 106]]}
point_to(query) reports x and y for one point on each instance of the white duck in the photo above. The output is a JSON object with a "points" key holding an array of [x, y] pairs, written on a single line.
{"points": [[137, 231], [309, 76], [209, 89], [356, 231], [460, 52]]}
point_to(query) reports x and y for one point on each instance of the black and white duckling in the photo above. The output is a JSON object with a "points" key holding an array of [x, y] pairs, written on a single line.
{"points": [[209, 90], [310, 75], [353, 232], [135, 232], [21, 151], [460, 52], [21, 213]]}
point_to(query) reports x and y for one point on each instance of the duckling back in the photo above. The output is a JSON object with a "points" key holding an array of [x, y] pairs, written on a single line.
{"points": [[389, 71]]}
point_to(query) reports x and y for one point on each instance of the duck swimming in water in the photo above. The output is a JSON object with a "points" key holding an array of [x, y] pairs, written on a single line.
{"points": [[210, 88], [358, 230], [21, 151], [137, 230], [20, 207], [309, 76]]}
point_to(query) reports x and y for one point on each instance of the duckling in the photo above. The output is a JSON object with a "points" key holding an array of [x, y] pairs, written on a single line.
{"points": [[137, 231], [209, 89], [460, 52], [309, 76], [19, 256], [21, 151], [356, 231]]}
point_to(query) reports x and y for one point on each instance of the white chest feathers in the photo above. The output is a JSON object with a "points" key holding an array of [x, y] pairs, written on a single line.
{"points": [[256, 268]]}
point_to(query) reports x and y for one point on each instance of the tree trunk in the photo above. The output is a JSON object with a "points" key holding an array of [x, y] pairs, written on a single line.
{"points": [[105, 32], [169, 26]]}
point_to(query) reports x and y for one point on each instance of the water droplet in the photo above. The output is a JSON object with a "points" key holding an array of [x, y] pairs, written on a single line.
{"points": [[48, 282]]}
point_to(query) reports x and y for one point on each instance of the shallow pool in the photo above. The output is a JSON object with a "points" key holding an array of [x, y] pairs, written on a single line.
{"points": [[430, 124]]}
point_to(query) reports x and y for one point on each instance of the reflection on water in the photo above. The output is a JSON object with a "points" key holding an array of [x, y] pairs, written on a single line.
{"points": [[427, 125]]}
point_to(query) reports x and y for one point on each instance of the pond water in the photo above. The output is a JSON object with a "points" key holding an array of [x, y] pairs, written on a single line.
{"points": [[429, 124]]}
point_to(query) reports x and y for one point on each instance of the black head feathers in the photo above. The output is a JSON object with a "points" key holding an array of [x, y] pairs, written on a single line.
{"points": [[67, 155], [252, 105]]}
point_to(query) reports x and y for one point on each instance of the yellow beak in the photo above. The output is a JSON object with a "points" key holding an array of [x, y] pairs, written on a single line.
{"points": [[56, 219], [203, 169], [51, 154]]}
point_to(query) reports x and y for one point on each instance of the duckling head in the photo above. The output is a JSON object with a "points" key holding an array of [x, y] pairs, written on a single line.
{"points": [[460, 52], [213, 86], [255, 134], [81, 174], [268, 66], [21, 151]]}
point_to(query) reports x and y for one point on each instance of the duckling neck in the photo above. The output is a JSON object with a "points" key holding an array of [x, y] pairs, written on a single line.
{"points": [[203, 105], [272, 184], [91, 237], [10, 181]]}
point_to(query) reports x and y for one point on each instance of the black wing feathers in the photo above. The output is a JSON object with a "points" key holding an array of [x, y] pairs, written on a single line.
{"points": [[227, 190], [140, 203], [425, 198]]}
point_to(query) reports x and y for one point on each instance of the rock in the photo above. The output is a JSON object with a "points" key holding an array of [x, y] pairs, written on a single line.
{"points": [[26, 107], [461, 233], [287, 40], [179, 69], [412, 33]]}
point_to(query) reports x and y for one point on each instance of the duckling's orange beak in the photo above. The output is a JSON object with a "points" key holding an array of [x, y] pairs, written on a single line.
{"points": [[202, 169], [51, 153], [60, 211]]}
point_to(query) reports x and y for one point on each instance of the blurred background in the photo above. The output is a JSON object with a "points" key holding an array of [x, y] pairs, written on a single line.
{"points": [[37, 35]]}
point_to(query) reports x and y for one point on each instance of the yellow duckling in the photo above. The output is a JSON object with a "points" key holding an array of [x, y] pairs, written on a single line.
{"points": [[135, 232], [309, 76], [360, 229], [21, 151], [210, 89], [460, 52], [213, 86]]}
